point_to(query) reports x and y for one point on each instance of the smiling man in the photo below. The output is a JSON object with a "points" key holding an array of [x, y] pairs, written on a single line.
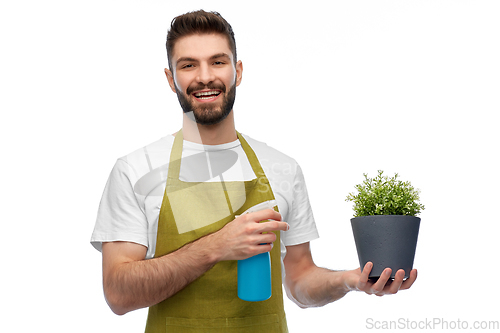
{"points": [[204, 78], [172, 225]]}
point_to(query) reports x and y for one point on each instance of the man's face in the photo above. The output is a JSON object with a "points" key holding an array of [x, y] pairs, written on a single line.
{"points": [[204, 76]]}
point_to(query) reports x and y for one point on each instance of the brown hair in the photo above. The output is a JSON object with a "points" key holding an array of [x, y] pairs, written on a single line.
{"points": [[198, 22]]}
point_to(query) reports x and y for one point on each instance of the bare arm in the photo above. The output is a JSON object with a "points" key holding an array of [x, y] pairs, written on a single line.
{"points": [[130, 282], [311, 286], [308, 285]]}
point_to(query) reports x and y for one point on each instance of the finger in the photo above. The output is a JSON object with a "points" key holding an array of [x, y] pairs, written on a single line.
{"points": [[261, 248], [379, 286], [363, 278], [267, 238], [273, 225], [266, 214], [408, 283], [365, 274], [395, 285]]}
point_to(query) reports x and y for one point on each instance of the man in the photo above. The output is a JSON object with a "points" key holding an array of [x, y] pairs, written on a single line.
{"points": [[171, 223]]}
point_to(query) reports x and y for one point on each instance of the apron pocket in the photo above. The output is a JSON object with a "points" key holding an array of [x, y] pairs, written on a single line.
{"points": [[266, 323]]}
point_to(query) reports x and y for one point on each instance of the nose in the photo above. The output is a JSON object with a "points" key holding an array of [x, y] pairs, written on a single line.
{"points": [[205, 74]]}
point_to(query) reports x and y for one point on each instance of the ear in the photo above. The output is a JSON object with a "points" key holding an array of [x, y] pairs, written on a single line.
{"points": [[170, 78], [239, 72]]}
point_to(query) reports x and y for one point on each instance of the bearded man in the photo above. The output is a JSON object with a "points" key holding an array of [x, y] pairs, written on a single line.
{"points": [[177, 215]]}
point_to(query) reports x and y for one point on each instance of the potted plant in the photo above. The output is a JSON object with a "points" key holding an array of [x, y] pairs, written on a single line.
{"points": [[385, 225]]}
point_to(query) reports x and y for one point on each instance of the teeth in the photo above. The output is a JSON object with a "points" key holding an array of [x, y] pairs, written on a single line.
{"points": [[207, 93]]}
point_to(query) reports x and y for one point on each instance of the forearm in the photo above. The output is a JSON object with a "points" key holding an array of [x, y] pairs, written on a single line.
{"points": [[144, 283], [317, 287]]}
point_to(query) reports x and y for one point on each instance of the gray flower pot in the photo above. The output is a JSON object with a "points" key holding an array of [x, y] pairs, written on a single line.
{"points": [[386, 241]]}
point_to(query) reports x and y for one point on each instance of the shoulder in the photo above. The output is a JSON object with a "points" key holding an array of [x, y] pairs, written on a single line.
{"points": [[266, 152], [149, 156], [136, 165], [279, 167], [155, 149]]}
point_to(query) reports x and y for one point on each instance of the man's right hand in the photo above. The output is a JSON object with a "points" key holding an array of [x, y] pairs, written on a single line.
{"points": [[242, 237]]}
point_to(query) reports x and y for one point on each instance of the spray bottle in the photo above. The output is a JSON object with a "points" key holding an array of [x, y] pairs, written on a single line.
{"points": [[254, 273]]}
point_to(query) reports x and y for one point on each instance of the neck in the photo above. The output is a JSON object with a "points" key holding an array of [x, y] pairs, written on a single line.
{"points": [[223, 132]]}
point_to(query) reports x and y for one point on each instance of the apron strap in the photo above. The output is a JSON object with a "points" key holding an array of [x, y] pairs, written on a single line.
{"points": [[174, 166], [252, 158]]}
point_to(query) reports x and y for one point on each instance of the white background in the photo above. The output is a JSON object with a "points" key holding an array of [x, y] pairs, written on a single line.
{"points": [[344, 87]]}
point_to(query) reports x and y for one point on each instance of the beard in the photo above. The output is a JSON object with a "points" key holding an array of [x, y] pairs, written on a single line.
{"points": [[208, 115]]}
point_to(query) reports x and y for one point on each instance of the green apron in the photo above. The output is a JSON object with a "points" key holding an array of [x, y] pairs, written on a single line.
{"points": [[210, 303]]}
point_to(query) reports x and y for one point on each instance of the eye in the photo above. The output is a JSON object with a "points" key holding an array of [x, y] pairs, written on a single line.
{"points": [[219, 63]]}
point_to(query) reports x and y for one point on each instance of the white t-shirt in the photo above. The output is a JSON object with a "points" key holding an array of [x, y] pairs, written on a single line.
{"points": [[133, 195]]}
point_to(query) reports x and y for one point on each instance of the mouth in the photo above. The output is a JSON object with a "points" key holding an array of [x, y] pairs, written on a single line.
{"points": [[207, 95]]}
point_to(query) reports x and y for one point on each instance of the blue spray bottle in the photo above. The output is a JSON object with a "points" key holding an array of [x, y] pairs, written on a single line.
{"points": [[254, 273]]}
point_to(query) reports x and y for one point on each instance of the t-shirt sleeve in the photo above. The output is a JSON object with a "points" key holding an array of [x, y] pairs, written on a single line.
{"points": [[302, 225], [120, 217]]}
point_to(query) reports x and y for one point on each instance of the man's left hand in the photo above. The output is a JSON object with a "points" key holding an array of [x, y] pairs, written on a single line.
{"points": [[359, 280]]}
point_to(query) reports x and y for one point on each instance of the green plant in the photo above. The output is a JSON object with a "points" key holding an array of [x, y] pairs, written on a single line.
{"points": [[385, 195]]}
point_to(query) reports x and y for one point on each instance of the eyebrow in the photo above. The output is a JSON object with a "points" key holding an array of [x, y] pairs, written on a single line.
{"points": [[215, 56], [219, 55]]}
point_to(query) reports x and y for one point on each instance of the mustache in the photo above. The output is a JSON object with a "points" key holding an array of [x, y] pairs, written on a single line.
{"points": [[201, 86]]}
